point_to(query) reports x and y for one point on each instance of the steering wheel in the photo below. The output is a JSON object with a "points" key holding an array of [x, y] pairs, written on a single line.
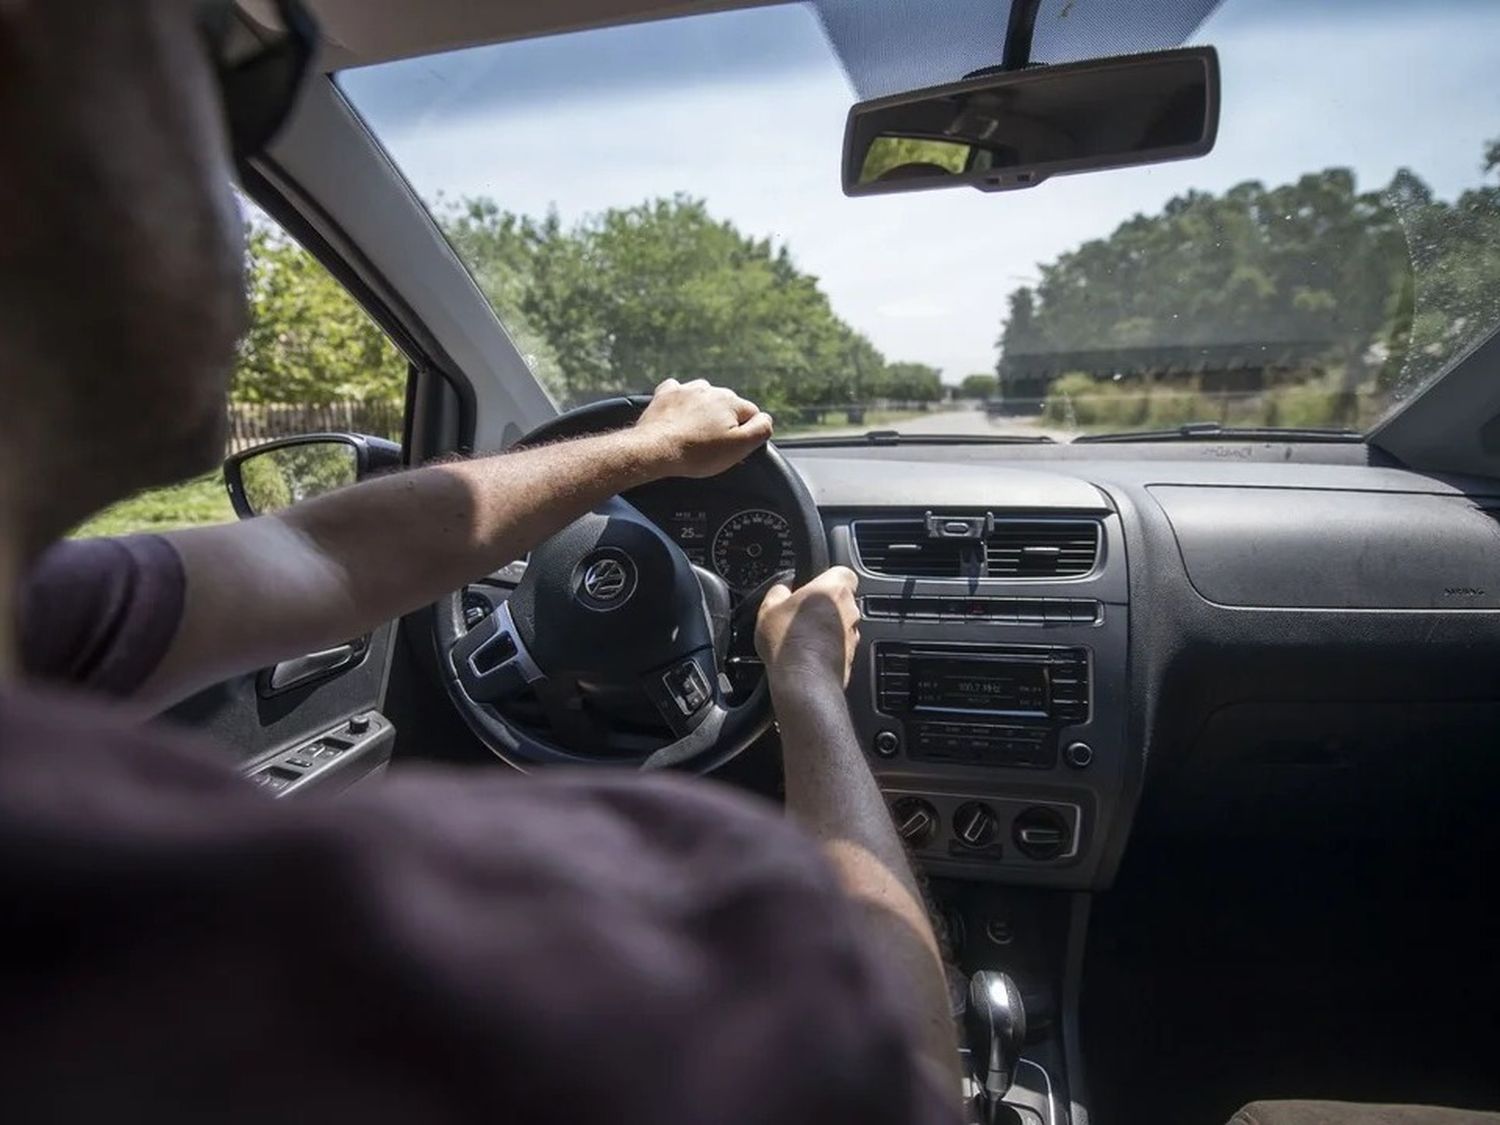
{"points": [[610, 619]]}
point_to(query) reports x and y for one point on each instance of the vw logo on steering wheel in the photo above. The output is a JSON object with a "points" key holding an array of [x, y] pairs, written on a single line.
{"points": [[608, 580]]}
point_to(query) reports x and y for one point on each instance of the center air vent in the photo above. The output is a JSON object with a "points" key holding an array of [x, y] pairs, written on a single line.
{"points": [[904, 548], [1042, 548]]}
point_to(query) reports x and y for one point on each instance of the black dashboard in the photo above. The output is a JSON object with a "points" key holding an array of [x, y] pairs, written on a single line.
{"points": [[1069, 647], [1062, 643]]}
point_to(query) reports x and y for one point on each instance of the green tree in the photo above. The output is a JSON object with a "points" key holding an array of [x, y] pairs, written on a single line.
{"points": [[1376, 288], [981, 385], [886, 153], [308, 341], [500, 248], [914, 382], [633, 296]]}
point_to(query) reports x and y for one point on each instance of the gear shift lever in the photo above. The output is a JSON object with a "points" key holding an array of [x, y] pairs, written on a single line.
{"points": [[996, 1024]]}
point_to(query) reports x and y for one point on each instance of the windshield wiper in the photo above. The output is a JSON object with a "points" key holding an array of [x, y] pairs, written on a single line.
{"points": [[895, 437], [1209, 431]]}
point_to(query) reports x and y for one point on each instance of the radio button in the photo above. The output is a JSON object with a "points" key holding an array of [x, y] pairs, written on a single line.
{"points": [[887, 743], [1057, 612], [1079, 755], [1029, 609]]}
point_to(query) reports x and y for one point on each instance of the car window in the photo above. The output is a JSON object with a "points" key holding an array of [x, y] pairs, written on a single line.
{"points": [[1332, 256], [312, 361]]}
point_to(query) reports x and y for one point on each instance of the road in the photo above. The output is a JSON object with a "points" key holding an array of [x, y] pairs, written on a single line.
{"points": [[965, 422]]}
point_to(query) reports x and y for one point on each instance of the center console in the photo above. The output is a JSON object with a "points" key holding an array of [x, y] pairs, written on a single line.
{"points": [[983, 704], [990, 689]]}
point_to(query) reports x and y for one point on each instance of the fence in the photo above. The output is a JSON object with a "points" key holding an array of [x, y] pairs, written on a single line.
{"points": [[251, 423]]}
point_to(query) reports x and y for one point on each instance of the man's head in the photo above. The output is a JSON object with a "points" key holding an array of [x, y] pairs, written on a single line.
{"points": [[121, 292]]}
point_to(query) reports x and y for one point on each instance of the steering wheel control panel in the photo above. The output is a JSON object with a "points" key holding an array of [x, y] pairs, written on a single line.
{"points": [[990, 706]]}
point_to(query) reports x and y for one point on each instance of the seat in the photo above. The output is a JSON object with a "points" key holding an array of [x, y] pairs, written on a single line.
{"points": [[1354, 1113]]}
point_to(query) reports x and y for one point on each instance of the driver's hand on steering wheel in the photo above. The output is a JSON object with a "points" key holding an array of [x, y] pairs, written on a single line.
{"points": [[809, 637], [699, 430]]}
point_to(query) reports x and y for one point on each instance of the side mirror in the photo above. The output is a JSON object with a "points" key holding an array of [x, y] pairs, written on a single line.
{"points": [[281, 473]]}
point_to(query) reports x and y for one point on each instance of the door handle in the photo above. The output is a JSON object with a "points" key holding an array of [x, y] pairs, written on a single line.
{"points": [[299, 670]]}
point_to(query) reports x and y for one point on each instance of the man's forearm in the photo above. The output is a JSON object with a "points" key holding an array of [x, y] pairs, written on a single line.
{"points": [[338, 566], [456, 521], [831, 791]]}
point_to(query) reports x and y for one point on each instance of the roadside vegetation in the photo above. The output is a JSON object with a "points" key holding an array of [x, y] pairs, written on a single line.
{"points": [[1313, 303]]}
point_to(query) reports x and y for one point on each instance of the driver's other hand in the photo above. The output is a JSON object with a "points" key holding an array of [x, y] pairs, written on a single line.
{"points": [[700, 430], [810, 634]]}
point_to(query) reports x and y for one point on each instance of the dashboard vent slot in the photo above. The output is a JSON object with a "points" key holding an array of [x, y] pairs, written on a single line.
{"points": [[1042, 548], [902, 548]]}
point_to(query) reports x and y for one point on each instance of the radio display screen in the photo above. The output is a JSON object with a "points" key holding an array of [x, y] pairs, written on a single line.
{"points": [[947, 683]]}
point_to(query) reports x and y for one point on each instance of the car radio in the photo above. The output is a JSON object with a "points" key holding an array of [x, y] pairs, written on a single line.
{"points": [[1000, 706]]}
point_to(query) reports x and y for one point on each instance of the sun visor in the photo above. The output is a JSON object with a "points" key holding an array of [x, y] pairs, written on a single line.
{"points": [[891, 46]]}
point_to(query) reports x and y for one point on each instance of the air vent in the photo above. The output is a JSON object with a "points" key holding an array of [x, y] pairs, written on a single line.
{"points": [[902, 548], [1041, 548]]}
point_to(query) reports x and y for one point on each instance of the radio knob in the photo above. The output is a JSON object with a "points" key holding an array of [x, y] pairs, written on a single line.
{"points": [[1079, 755], [1041, 833], [916, 821], [975, 824], [886, 744]]}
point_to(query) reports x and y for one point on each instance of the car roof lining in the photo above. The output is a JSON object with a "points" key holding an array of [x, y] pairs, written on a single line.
{"points": [[361, 32]]}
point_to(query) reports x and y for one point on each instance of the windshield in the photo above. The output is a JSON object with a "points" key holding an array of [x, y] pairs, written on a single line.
{"points": [[663, 200]]}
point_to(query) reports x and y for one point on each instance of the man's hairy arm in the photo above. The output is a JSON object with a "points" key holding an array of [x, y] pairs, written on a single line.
{"points": [[808, 639], [335, 567]]}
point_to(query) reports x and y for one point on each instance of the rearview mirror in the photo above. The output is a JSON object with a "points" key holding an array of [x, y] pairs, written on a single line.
{"points": [[281, 473], [1014, 129]]}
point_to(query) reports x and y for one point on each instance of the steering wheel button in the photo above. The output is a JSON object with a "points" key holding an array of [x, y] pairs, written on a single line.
{"points": [[687, 687]]}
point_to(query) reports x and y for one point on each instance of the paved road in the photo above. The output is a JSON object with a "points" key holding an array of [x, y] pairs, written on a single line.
{"points": [[971, 421]]}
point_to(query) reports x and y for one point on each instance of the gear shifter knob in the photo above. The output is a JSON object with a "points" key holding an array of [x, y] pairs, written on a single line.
{"points": [[996, 1025]]}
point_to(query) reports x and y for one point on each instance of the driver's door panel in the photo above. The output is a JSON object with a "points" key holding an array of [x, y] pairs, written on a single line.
{"points": [[259, 728]]}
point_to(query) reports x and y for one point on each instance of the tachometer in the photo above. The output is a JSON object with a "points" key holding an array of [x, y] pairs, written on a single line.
{"points": [[751, 546]]}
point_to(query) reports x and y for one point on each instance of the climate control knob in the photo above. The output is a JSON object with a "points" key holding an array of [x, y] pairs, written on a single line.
{"points": [[975, 824], [916, 821], [1041, 833]]}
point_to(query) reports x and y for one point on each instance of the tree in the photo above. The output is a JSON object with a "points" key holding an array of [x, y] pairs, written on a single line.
{"points": [[499, 248], [631, 296], [1376, 288], [308, 341], [914, 382], [982, 385]]}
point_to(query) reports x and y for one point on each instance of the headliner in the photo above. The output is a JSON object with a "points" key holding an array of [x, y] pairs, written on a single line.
{"points": [[357, 32], [885, 45]]}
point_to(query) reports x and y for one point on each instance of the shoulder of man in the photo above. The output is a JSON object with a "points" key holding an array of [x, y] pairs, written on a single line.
{"points": [[101, 613]]}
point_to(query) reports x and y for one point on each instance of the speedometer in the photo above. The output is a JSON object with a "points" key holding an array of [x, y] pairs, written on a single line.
{"points": [[751, 546]]}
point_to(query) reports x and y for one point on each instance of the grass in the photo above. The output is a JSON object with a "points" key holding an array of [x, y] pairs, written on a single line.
{"points": [[1078, 401], [835, 420], [190, 504]]}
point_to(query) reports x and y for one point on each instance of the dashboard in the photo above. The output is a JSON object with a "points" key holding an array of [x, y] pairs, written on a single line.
{"points": [[1066, 646], [1062, 645]]}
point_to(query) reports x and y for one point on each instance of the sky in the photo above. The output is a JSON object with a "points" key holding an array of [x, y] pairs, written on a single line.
{"points": [[746, 110]]}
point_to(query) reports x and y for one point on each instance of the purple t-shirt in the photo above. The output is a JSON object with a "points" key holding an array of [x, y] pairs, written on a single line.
{"points": [[443, 946]]}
